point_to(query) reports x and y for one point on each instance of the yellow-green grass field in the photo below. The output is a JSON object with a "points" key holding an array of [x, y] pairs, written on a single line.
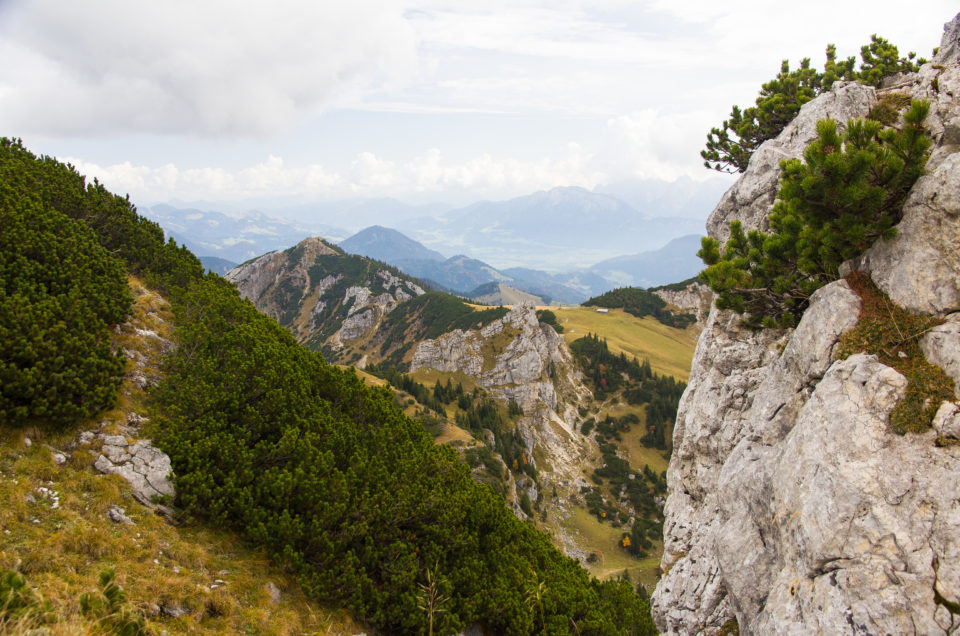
{"points": [[604, 539], [669, 350]]}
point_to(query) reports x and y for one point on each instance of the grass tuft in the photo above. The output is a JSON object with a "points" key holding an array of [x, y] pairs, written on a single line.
{"points": [[893, 334]]}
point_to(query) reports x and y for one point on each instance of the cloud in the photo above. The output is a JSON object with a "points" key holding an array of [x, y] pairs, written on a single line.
{"points": [[368, 175], [213, 68], [654, 145]]}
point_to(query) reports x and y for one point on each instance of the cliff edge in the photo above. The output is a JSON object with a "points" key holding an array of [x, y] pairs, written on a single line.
{"points": [[792, 507]]}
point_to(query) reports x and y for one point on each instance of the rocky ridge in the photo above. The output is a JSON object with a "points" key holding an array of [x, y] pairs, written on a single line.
{"points": [[792, 508], [322, 306], [517, 358], [695, 298]]}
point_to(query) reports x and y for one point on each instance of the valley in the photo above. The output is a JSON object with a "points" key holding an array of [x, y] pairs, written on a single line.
{"points": [[575, 453]]}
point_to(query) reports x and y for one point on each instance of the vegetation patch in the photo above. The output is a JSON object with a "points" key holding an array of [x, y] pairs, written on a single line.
{"points": [[640, 302], [892, 334], [847, 193], [60, 293], [730, 146], [888, 108]]}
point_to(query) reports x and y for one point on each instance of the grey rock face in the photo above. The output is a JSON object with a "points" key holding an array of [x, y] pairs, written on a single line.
{"points": [[791, 506], [920, 268], [533, 368], [751, 197], [696, 299], [941, 346], [145, 467]]}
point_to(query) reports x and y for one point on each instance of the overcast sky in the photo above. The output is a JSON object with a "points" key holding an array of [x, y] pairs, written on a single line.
{"points": [[447, 100]]}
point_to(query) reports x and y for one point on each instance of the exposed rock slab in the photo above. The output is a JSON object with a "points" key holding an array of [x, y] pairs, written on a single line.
{"points": [[792, 507], [145, 467]]}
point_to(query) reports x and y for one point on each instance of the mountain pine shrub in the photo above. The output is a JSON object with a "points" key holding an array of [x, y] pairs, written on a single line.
{"points": [[730, 146], [60, 293], [847, 192]]}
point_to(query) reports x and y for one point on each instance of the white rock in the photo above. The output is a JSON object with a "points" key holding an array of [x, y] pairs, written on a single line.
{"points": [[791, 505]]}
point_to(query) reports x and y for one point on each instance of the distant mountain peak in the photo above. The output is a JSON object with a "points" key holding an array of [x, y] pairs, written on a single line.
{"points": [[388, 245]]}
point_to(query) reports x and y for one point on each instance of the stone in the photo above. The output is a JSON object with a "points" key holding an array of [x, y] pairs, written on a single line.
{"points": [[949, 50], [792, 507], [58, 458], [696, 298], [947, 420], [145, 467], [174, 610], [117, 514], [273, 591]]}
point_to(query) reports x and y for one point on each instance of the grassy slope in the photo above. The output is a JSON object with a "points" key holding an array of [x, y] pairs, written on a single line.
{"points": [[669, 350], [61, 550]]}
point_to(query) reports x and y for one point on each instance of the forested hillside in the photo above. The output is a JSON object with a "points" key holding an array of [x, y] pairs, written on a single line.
{"points": [[270, 441]]}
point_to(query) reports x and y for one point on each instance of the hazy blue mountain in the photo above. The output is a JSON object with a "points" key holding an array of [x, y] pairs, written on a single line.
{"points": [[217, 265], [389, 246], [681, 198], [235, 238], [562, 229], [459, 274], [355, 214], [675, 261], [569, 287]]}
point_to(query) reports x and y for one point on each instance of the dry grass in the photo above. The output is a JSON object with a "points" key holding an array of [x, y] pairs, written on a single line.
{"points": [[669, 350], [61, 542], [604, 539]]}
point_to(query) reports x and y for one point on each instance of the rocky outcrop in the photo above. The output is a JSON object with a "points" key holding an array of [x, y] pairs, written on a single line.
{"points": [[256, 276], [792, 507], [752, 196], [517, 358], [695, 298]]}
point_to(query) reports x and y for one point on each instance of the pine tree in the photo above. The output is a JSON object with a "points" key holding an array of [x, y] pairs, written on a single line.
{"points": [[730, 146], [847, 192]]}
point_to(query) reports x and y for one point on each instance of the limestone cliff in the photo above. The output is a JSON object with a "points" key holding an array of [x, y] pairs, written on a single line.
{"points": [[695, 298], [517, 358], [792, 507]]}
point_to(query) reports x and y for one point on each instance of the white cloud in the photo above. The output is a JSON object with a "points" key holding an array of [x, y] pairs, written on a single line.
{"points": [[216, 67], [369, 175], [653, 145]]}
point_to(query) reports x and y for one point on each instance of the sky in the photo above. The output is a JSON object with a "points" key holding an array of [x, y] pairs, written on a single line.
{"points": [[445, 100]]}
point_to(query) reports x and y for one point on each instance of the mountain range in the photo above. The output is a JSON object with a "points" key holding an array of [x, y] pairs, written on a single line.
{"points": [[235, 238], [565, 228], [464, 275]]}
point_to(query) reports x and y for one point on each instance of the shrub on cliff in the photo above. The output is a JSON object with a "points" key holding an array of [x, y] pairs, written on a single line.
{"points": [[730, 146], [847, 192]]}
